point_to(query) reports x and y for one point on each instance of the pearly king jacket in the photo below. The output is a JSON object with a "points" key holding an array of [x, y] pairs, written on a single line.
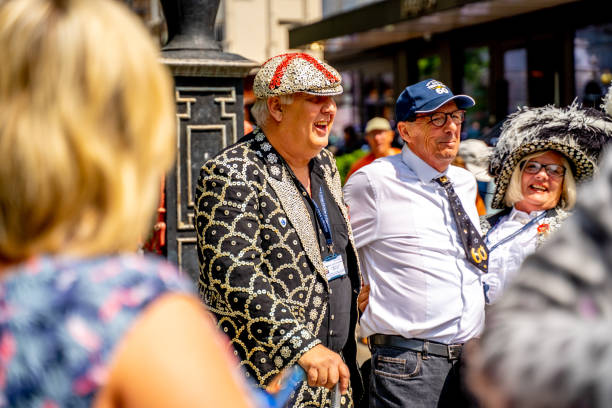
{"points": [[261, 271]]}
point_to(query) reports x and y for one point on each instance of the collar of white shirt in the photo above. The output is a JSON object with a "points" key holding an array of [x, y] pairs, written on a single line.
{"points": [[522, 216], [423, 171]]}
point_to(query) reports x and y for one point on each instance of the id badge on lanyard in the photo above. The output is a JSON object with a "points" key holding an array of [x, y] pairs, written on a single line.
{"points": [[334, 266]]}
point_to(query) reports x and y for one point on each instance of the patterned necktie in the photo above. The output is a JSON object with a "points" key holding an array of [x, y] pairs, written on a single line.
{"points": [[475, 249]]}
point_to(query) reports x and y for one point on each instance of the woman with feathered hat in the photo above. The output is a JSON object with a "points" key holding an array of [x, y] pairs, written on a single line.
{"points": [[541, 155], [547, 341]]}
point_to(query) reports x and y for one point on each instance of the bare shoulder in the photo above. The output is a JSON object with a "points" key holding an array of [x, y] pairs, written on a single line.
{"points": [[172, 356]]}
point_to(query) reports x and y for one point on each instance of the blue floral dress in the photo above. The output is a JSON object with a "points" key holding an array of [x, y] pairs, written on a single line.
{"points": [[61, 318]]}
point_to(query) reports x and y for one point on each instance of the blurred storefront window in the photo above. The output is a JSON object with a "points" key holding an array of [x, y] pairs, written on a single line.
{"points": [[515, 76], [593, 63], [368, 92], [347, 114], [476, 84], [378, 96]]}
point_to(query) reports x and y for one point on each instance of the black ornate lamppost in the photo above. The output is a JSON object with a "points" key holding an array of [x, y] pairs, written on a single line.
{"points": [[209, 98]]}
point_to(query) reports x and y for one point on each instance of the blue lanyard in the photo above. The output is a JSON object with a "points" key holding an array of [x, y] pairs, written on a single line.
{"points": [[511, 236], [323, 217]]}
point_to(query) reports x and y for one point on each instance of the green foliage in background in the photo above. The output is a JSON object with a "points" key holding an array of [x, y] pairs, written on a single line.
{"points": [[476, 77], [345, 162], [429, 67]]}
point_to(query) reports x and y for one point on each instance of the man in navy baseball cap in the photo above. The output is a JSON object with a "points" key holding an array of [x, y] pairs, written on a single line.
{"points": [[415, 225], [429, 118], [425, 97]]}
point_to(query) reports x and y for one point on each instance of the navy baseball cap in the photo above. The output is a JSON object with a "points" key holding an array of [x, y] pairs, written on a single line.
{"points": [[427, 96]]}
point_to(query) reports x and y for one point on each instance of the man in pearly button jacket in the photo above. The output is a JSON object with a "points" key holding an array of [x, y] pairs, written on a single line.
{"points": [[278, 265]]}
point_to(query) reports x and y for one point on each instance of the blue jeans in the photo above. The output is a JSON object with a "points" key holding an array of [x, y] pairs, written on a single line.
{"points": [[404, 378]]}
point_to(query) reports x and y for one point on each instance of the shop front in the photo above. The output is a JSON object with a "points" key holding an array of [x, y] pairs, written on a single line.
{"points": [[505, 53]]}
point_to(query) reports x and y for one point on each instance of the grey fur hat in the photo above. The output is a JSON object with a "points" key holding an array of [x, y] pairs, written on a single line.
{"points": [[607, 102], [578, 134]]}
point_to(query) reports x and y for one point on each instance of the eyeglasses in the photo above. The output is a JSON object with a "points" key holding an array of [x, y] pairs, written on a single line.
{"points": [[439, 118], [553, 170]]}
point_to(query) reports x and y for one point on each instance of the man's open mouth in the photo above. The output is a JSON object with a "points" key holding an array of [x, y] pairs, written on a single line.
{"points": [[322, 125]]}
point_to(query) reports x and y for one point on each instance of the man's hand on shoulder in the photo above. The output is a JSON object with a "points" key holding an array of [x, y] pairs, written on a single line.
{"points": [[364, 298], [324, 368]]}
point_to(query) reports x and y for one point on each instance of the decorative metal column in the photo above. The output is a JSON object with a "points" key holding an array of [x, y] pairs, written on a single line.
{"points": [[209, 97]]}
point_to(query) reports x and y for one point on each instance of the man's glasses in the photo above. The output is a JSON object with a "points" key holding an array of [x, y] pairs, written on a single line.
{"points": [[553, 170], [438, 119]]}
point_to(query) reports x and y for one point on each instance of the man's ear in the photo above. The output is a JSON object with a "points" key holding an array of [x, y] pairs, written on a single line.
{"points": [[403, 129], [275, 108]]}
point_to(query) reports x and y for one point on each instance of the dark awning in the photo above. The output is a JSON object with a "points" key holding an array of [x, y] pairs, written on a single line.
{"points": [[394, 21]]}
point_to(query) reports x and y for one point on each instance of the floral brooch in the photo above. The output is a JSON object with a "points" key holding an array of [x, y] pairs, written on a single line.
{"points": [[543, 229]]}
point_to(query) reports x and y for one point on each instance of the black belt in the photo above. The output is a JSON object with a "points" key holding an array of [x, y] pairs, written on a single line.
{"points": [[450, 351]]}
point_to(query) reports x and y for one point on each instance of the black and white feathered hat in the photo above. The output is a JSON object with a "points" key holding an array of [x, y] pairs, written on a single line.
{"points": [[607, 102], [578, 134]]}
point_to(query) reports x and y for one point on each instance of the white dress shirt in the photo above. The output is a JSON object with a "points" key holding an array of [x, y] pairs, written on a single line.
{"points": [[504, 260], [422, 285]]}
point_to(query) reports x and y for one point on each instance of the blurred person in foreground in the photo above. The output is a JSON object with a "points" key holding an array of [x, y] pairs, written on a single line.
{"points": [[541, 155], [87, 131], [278, 266], [379, 135], [415, 224], [547, 340]]}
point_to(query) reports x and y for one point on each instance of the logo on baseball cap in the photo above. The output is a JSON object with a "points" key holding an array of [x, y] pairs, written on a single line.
{"points": [[427, 96]]}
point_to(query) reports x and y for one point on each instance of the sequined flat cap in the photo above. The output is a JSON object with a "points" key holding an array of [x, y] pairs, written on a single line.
{"points": [[289, 73]]}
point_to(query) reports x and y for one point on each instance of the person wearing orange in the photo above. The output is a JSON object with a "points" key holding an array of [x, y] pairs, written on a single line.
{"points": [[379, 136]]}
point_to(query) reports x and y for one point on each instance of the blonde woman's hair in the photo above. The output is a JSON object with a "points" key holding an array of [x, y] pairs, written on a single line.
{"points": [[568, 195], [86, 128], [260, 111]]}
